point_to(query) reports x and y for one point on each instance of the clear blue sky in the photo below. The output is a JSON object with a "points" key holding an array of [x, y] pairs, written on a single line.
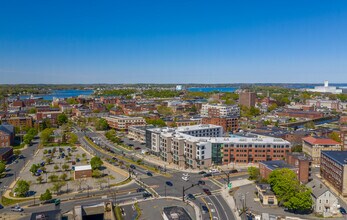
{"points": [[176, 41]]}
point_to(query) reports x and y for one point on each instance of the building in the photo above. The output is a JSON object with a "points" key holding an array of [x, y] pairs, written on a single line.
{"points": [[299, 114], [325, 202], [266, 195], [175, 213], [6, 135], [122, 122], [303, 163], [24, 122], [84, 171], [343, 136], [138, 133], [314, 145], [247, 99], [326, 89], [218, 110], [51, 116], [47, 215], [266, 167], [201, 146], [6, 153], [333, 168], [229, 124]]}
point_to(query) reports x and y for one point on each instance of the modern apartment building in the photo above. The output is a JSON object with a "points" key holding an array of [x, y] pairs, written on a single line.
{"points": [[333, 168], [139, 132], [24, 122], [121, 122], [218, 110], [203, 145], [313, 146], [247, 98], [229, 124]]}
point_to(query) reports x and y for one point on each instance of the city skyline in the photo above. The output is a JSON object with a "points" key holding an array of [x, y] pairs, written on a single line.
{"points": [[173, 42]]}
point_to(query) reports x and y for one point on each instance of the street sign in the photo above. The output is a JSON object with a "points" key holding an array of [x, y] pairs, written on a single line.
{"points": [[229, 185]]}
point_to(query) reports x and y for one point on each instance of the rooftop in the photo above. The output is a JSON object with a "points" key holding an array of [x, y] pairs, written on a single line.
{"points": [[320, 141], [300, 156], [4, 150], [318, 188], [176, 213], [276, 164], [84, 167], [339, 157]]}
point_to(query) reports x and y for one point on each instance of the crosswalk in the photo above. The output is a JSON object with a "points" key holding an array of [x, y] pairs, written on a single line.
{"points": [[216, 182]]}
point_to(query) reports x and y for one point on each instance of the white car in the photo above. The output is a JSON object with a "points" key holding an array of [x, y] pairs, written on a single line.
{"points": [[185, 178], [186, 174], [213, 171]]}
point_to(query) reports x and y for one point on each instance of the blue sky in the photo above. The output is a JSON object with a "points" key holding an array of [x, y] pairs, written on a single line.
{"points": [[177, 41]]}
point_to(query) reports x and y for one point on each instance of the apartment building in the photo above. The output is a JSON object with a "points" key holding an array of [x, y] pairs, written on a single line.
{"points": [[219, 110], [138, 133], [343, 136], [313, 146], [6, 135], [203, 145], [247, 98], [303, 163], [229, 124], [24, 122], [122, 122], [333, 168]]}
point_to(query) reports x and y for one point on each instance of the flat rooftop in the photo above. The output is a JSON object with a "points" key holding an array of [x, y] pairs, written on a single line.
{"points": [[339, 157], [276, 164], [84, 167], [176, 213]]}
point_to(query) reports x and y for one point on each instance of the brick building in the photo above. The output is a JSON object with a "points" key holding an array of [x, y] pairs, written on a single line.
{"points": [[6, 135], [247, 98], [333, 168], [19, 121], [266, 167], [230, 124], [123, 122], [83, 172], [314, 145], [303, 162], [6, 153]]}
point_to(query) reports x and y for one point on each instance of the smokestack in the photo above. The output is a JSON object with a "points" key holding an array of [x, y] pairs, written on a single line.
{"points": [[326, 83]]}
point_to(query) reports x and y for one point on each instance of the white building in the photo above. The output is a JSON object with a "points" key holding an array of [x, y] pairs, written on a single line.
{"points": [[219, 110], [326, 89]]}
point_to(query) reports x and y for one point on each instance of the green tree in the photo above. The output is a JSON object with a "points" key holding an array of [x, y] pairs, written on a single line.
{"points": [[22, 188], [254, 173], [63, 177], [97, 173], [2, 167], [163, 110], [53, 178], [56, 167], [39, 179], [62, 119], [65, 166], [297, 148], [284, 183], [72, 138], [101, 125], [46, 135], [57, 186], [272, 107], [96, 163], [49, 160], [46, 195], [301, 201], [335, 136], [309, 125], [156, 122], [34, 168]]}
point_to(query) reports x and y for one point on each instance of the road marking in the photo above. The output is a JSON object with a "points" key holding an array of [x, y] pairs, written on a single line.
{"points": [[215, 208], [221, 206], [208, 207], [217, 183]]}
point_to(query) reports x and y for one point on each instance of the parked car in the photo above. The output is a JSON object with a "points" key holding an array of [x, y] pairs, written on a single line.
{"points": [[207, 191], [146, 195], [186, 174], [213, 171], [137, 148], [132, 166], [17, 209], [169, 183], [190, 196], [149, 174], [140, 190], [233, 171], [202, 172], [342, 211], [204, 209], [130, 145]]}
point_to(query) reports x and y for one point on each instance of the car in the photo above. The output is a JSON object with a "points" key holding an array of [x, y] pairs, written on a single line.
{"points": [[186, 174], [169, 183], [213, 171], [342, 211], [201, 182], [207, 191], [190, 196], [37, 174], [207, 175], [137, 148], [21, 156], [1, 207], [204, 209], [130, 145], [146, 195], [140, 190], [149, 174], [202, 172], [17, 209], [131, 139], [233, 171], [132, 166], [185, 178]]}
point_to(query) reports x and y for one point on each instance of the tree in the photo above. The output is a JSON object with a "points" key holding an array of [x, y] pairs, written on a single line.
{"points": [[53, 178], [46, 195], [101, 125], [297, 148], [254, 173], [39, 179], [72, 139], [97, 173], [272, 107], [96, 163], [156, 122], [335, 136], [34, 168], [62, 119], [65, 166], [309, 125], [284, 183], [2, 167], [22, 188], [301, 202], [45, 135], [49, 160], [17, 152], [63, 177], [57, 186], [56, 167]]}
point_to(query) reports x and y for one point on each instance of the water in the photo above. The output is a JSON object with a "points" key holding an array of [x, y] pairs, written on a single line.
{"points": [[62, 94], [208, 89]]}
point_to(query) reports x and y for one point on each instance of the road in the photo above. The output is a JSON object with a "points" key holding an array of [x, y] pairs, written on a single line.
{"points": [[13, 169]]}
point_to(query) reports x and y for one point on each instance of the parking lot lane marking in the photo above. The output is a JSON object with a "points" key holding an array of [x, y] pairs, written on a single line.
{"points": [[207, 207]]}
